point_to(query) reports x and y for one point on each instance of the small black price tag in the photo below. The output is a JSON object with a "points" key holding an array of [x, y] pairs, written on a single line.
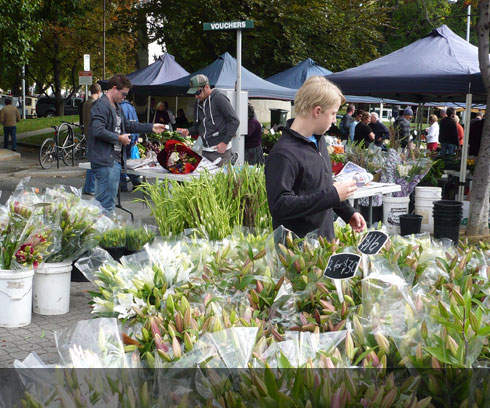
{"points": [[373, 242], [342, 266]]}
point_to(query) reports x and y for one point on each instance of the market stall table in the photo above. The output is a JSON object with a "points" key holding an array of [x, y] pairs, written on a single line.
{"points": [[154, 172], [369, 191]]}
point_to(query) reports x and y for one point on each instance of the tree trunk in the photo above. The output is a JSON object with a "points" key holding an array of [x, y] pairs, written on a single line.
{"points": [[480, 191], [141, 39], [60, 108]]}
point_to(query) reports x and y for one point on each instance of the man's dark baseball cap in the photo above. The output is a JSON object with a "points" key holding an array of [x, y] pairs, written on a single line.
{"points": [[197, 82]]}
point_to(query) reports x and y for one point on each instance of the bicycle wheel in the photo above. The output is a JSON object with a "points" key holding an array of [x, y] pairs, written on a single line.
{"points": [[81, 148], [68, 145], [47, 154]]}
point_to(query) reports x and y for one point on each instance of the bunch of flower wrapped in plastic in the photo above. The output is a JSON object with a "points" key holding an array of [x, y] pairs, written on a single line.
{"points": [[404, 170]]}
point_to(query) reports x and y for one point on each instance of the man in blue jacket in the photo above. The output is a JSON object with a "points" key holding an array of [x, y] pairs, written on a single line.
{"points": [[130, 114], [109, 132]]}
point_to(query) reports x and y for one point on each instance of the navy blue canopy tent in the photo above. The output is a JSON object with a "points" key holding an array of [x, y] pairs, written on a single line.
{"points": [[222, 74], [164, 69], [295, 76], [439, 67]]}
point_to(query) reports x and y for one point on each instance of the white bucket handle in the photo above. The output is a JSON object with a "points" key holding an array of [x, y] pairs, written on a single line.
{"points": [[17, 294]]}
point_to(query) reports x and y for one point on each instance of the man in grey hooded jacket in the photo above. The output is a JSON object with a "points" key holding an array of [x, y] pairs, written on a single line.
{"points": [[215, 120]]}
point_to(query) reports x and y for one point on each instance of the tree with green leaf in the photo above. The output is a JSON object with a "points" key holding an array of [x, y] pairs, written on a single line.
{"points": [[68, 35], [335, 33], [19, 30], [411, 20]]}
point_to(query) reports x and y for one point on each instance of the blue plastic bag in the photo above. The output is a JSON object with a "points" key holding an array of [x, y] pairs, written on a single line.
{"points": [[135, 154]]}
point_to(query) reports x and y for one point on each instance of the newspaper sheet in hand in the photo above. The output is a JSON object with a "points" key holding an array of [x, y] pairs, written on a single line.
{"points": [[353, 171]]}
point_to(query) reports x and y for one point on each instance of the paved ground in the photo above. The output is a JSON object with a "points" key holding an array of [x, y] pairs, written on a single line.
{"points": [[39, 335]]}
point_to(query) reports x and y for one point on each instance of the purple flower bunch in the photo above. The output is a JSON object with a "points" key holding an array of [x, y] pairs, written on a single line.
{"points": [[407, 173]]}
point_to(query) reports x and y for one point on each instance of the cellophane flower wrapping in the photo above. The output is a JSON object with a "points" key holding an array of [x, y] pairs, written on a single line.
{"points": [[81, 222], [178, 158], [299, 348], [417, 304], [401, 169], [131, 235], [26, 235], [89, 373]]}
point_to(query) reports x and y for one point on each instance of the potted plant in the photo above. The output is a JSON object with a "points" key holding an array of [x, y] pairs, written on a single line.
{"points": [[114, 242], [127, 239]]}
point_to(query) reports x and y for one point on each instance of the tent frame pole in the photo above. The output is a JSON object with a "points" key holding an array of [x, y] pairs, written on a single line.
{"points": [[418, 124], [148, 110], [464, 151]]}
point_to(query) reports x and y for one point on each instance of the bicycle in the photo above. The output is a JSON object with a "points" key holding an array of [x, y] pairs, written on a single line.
{"points": [[74, 146]]}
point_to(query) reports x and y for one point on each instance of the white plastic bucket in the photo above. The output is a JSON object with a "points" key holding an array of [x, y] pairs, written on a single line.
{"points": [[51, 289], [426, 193], [15, 297], [424, 199], [393, 207]]}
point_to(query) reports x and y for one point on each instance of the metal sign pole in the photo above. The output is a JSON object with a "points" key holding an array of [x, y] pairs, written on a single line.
{"points": [[23, 92], [238, 142]]}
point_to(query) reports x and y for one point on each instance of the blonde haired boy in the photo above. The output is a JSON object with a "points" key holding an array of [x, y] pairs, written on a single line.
{"points": [[300, 191]]}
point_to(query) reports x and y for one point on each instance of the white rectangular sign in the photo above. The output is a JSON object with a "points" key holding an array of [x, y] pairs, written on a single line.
{"points": [[86, 62], [84, 78]]}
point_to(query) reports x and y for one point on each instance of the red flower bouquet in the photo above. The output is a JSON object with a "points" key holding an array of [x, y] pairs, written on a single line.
{"points": [[337, 167], [177, 158]]}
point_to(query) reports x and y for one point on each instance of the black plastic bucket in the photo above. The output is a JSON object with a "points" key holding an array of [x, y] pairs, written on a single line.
{"points": [[410, 224], [446, 211], [447, 218], [448, 206], [445, 229]]}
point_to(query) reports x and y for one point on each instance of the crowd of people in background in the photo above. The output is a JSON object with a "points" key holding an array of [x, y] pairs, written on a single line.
{"points": [[216, 122], [445, 133]]}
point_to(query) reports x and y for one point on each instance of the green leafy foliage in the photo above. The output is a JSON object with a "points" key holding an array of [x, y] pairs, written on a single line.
{"points": [[285, 32], [18, 34]]}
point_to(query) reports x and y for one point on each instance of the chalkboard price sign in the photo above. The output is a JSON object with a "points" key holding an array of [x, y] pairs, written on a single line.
{"points": [[342, 266], [373, 242]]}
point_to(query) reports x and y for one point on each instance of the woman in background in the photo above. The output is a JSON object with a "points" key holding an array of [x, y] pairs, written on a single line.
{"points": [[161, 115], [433, 134], [253, 141], [460, 131]]}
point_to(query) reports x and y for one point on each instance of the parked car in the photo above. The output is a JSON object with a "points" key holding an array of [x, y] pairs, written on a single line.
{"points": [[46, 107], [30, 106], [17, 102]]}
